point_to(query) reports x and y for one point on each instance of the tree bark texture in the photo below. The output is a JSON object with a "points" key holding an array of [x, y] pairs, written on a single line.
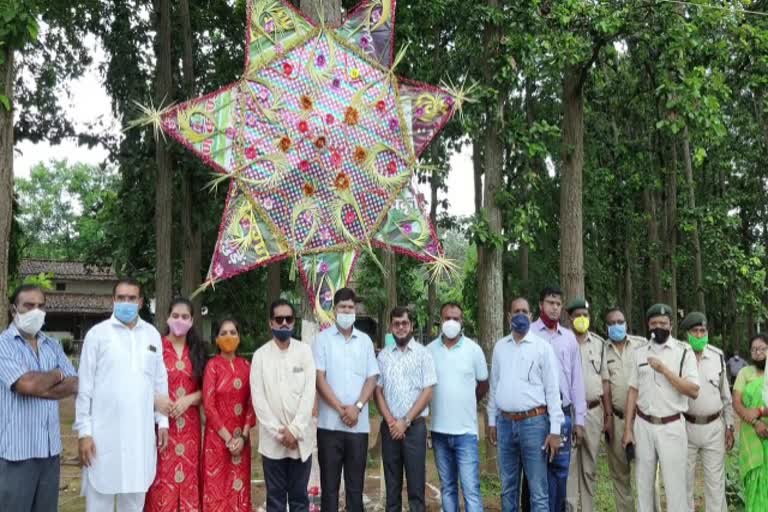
{"points": [[571, 183], [7, 78], [164, 178], [489, 270]]}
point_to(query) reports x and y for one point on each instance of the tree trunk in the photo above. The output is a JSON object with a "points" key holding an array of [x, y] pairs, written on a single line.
{"points": [[7, 78], [432, 290], [628, 286], [164, 181], [193, 237], [477, 166], [389, 260], [571, 221], [654, 265], [489, 257], [671, 233], [698, 273]]}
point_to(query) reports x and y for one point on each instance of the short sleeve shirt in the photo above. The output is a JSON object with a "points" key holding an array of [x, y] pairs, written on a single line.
{"points": [[593, 366], [29, 426], [347, 364], [656, 395], [458, 369], [404, 374], [618, 365]]}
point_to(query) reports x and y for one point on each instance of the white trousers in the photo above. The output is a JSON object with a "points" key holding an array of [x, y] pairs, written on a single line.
{"points": [[97, 502]]}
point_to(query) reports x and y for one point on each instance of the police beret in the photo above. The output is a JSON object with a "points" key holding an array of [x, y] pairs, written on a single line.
{"points": [[693, 319], [577, 303], [658, 310]]}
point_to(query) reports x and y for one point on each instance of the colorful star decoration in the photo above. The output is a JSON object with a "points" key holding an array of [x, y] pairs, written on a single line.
{"points": [[319, 141]]}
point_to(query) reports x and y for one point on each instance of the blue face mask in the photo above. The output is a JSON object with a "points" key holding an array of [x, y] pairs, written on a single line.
{"points": [[126, 312], [282, 334], [617, 332], [520, 323]]}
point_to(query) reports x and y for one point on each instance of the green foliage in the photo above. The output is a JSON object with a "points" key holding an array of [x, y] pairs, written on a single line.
{"points": [[44, 280]]}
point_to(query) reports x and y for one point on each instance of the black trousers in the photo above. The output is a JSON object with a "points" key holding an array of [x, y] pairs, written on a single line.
{"points": [[409, 454], [336, 451], [30, 485], [287, 481]]}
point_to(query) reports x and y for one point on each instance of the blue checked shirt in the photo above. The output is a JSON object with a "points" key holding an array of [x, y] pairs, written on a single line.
{"points": [[29, 426]]}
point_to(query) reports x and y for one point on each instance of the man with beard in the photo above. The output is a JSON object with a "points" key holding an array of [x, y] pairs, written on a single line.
{"points": [[572, 392], [406, 378], [663, 376]]}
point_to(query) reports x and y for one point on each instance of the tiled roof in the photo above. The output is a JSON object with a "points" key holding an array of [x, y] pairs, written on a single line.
{"points": [[77, 303], [66, 270]]}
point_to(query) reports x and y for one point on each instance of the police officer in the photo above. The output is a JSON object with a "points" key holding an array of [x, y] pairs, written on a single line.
{"points": [[582, 473], [663, 376], [709, 420], [618, 359]]}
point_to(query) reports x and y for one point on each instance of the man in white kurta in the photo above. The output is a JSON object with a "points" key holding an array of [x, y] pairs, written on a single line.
{"points": [[121, 370]]}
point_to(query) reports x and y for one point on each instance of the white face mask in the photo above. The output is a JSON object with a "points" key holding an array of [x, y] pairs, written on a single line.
{"points": [[30, 322], [345, 320], [451, 329]]}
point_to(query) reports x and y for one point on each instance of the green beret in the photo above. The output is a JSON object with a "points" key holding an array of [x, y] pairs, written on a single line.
{"points": [[693, 319], [658, 310], [577, 303]]}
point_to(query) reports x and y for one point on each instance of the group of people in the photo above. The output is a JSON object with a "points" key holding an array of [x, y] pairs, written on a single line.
{"points": [[553, 393]]}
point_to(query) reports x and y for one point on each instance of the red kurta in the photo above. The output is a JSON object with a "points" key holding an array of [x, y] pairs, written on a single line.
{"points": [[177, 485], [227, 403]]}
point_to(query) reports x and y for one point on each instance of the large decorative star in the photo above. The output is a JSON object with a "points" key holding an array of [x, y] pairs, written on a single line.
{"points": [[319, 141]]}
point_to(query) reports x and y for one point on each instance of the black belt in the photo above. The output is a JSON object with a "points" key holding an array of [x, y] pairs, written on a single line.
{"points": [[619, 414]]}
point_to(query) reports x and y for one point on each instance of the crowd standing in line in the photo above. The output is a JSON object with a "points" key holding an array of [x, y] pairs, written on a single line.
{"points": [[661, 404]]}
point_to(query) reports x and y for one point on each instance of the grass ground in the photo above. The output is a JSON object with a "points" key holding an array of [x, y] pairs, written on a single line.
{"points": [[70, 500]]}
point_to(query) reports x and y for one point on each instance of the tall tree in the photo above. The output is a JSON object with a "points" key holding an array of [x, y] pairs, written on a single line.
{"points": [[164, 177]]}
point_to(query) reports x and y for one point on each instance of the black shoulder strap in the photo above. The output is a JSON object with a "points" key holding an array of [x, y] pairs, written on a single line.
{"points": [[682, 360]]}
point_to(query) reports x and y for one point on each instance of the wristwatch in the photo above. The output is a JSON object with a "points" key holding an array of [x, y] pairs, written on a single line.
{"points": [[359, 405], [407, 422]]}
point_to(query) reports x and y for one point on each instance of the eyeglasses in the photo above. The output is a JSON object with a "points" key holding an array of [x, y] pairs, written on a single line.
{"points": [[401, 323], [759, 350], [280, 320]]}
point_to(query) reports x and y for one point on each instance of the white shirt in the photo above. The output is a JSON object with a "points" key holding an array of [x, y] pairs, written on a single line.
{"points": [[120, 371]]}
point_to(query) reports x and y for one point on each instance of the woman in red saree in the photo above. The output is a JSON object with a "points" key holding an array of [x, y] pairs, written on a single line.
{"points": [[229, 419], [177, 484]]}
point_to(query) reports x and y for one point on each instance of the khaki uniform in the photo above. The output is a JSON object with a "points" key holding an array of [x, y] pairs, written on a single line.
{"points": [[665, 444], [582, 473], [706, 421], [618, 366]]}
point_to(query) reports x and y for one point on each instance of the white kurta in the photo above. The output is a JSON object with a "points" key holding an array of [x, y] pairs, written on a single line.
{"points": [[120, 371]]}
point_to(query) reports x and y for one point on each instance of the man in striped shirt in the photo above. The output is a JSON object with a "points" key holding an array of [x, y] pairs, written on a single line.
{"points": [[34, 374]]}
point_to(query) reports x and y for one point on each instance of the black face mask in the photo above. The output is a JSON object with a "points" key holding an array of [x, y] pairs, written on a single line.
{"points": [[660, 335], [759, 364]]}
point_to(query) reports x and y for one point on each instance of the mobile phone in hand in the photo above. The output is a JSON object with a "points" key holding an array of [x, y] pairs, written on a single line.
{"points": [[630, 451]]}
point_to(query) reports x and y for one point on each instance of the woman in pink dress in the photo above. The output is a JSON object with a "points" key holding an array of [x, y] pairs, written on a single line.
{"points": [[177, 484], [229, 419]]}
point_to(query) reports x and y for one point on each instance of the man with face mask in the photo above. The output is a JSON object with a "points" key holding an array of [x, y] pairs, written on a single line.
{"points": [[709, 420], [406, 380], [462, 380], [34, 375], [619, 360], [524, 410], [582, 476], [346, 377], [572, 391], [663, 376], [121, 371], [283, 379]]}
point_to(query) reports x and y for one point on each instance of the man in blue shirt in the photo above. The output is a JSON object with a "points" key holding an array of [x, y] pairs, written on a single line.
{"points": [[462, 380], [34, 374], [346, 377], [525, 414], [403, 394]]}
